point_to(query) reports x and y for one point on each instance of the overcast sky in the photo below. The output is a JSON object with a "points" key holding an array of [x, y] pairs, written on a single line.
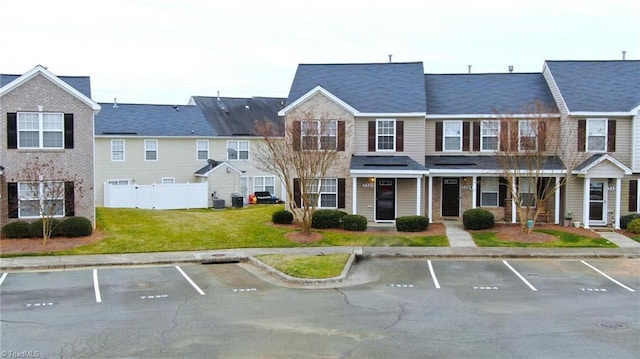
{"points": [[161, 51]]}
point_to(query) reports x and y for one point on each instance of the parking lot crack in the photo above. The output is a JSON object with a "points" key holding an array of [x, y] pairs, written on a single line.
{"points": [[346, 300], [401, 314], [20, 322], [174, 321]]}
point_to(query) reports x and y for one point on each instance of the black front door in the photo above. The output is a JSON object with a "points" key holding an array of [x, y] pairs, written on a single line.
{"points": [[385, 199], [451, 197]]}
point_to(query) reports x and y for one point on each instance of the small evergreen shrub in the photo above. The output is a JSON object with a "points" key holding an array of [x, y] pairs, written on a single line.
{"points": [[36, 228], [326, 218], [354, 222], [18, 229], [76, 227], [477, 218], [634, 226], [412, 223], [624, 220], [282, 217]]}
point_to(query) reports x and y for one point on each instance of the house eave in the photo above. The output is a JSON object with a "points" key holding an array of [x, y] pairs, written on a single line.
{"points": [[601, 114], [317, 90]]}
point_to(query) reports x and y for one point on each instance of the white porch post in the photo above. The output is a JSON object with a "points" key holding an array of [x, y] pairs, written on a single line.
{"points": [[474, 188], [354, 196], [557, 201], [585, 201], [419, 196], [616, 219], [430, 204]]}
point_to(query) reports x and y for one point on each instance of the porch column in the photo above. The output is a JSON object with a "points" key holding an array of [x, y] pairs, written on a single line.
{"points": [[430, 204], [556, 211], [419, 195], [616, 218], [474, 188], [354, 196], [585, 201]]}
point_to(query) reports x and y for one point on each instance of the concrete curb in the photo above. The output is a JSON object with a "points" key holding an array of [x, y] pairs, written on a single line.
{"points": [[304, 281]]}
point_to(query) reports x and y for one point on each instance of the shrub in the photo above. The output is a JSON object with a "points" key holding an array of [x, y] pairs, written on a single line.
{"points": [[412, 223], [282, 217], [624, 220], [326, 218], [76, 227], [36, 228], [634, 226], [18, 229], [477, 218], [354, 222]]}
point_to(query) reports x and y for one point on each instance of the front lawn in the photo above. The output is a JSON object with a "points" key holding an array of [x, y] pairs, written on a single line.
{"points": [[556, 239], [307, 266]]}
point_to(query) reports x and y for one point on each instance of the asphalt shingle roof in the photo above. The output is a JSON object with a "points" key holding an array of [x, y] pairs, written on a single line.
{"points": [[369, 88], [380, 163], [463, 94], [480, 163], [80, 83], [598, 86]]}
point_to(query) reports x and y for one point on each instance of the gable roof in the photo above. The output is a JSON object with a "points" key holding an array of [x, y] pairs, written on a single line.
{"points": [[78, 86], [368, 88], [488, 94], [597, 86], [151, 120], [591, 162], [231, 116]]}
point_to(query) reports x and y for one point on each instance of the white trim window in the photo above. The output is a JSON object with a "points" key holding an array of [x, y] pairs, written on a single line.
{"points": [[264, 184], [237, 150], [117, 150], [385, 135], [45, 196], [489, 135], [489, 192], [118, 182], [527, 136], [597, 134], [168, 180], [527, 191], [150, 150], [452, 135], [202, 150], [327, 193], [319, 134], [40, 130]]}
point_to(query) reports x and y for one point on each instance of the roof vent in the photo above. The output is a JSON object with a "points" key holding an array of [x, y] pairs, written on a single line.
{"points": [[469, 66], [390, 55], [624, 55], [115, 102], [175, 107], [510, 68]]}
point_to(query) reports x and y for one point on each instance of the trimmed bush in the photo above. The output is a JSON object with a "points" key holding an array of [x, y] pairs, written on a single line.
{"points": [[412, 223], [354, 222], [282, 217], [634, 226], [36, 228], [76, 227], [18, 229], [477, 218], [326, 218], [624, 220]]}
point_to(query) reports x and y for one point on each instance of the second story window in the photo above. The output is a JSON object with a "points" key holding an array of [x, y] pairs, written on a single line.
{"points": [[596, 134], [385, 135], [150, 150], [202, 149], [527, 138], [452, 136], [489, 132], [316, 134], [40, 130], [117, 150], [237, 150]]}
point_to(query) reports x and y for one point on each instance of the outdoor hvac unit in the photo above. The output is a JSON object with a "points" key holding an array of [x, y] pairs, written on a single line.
{"points": [[218, 203]]}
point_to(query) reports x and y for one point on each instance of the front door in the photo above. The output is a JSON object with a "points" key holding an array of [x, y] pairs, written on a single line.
{"points": [[598, 203], [385, 199], [451, 197]]}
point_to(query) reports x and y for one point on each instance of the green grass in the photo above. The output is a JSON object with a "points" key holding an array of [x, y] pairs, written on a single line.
{"points": [[563, 240], [307, 266]]}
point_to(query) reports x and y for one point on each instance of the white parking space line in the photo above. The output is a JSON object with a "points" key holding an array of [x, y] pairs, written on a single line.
{"points": [[193, 284], [606, 276], [433, 275], [96, 286], [4, 275], [520, 276]]}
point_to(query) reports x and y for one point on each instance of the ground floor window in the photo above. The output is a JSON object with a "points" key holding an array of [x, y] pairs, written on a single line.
{"points": [[324, 192], [527, 191], [264, 184], [37, 198], [118, 182], [168, 180], [489, 192]]}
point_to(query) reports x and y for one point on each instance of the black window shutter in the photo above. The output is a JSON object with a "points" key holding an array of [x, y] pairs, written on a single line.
{"points": [[439, 136], [12, 188], [341, 193], [399, 136], [476, 135], [502, 191], [582, 133], [68, 130], [341, 134], [297, 196], [478, 192], [296, 135], [611, 136], [372, 136], [69, 199], [466, 131], [542, 135], [12, 130], [633, 196], [505, 137]]}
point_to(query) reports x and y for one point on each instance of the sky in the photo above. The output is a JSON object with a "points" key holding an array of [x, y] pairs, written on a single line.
{"points": [[163, 52]]}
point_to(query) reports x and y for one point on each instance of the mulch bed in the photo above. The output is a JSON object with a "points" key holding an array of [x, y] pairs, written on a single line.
{"points": [[34, 245], [513, 233]]}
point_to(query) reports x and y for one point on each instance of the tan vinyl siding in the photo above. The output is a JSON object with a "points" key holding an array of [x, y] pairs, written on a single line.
{"points": [[624, 140], [406, 197], [430, 138], [366, 198], [413, 134]]}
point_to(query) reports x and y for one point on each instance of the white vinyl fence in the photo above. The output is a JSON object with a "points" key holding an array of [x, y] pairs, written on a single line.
{"points": [[157, 196]]}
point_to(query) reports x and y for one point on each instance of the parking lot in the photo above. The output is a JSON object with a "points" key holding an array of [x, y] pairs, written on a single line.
{"points": [[391, 308]]}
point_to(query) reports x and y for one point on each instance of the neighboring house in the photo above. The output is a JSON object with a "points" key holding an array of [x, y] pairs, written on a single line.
{"points": [[209, 140], [49, 118]]}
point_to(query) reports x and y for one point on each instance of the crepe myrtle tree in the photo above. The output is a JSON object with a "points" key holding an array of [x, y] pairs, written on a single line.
{"points": [[536, 157], [47, 190], [300, 154]]}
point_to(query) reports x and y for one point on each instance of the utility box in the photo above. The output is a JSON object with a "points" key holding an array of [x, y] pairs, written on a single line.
{"points": [[237, 201], [218, 203]]}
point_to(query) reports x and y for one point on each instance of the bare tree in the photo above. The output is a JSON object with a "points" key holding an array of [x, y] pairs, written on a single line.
{"points": [[536, 159], [47, 191], [300, 154]]}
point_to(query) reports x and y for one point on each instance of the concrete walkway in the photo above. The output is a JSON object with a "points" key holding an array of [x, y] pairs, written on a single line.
{"points": [[458, 237], [620, 240]]}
